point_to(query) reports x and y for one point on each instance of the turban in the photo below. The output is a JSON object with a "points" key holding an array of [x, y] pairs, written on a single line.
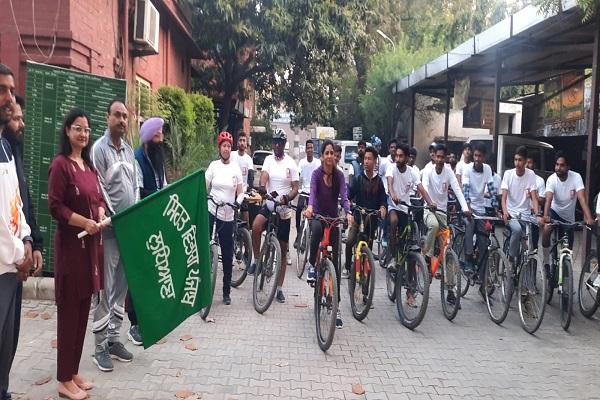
{"points": [[151, 127]]}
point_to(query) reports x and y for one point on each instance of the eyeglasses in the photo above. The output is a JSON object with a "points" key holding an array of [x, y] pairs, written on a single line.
{"points": [[79, 129]]}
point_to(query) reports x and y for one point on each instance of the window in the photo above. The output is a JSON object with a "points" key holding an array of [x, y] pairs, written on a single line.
{"points": [[143, 97], [350, 154]]}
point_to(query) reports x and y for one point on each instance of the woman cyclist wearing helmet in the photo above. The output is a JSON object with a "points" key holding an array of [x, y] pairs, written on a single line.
{"points": [[224, 184]]}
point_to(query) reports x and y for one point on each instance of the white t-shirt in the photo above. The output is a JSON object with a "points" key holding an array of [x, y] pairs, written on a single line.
{"points": [[437, 186], [564, 197], [245, 163], [460, 167], [497, 182], [540, 185], [403, 183], [519, 188], [418, 171], [281, 174], [478, 185], [223, 180], [306, 169], [383, 167]]}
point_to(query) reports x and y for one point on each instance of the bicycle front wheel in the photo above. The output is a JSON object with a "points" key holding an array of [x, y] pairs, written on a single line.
{"points": [[361, 284], [326, 304], [267, 274], [303, 249], [450, 285], [412, 290], [496, 286], [242, 256], [214, 264], [589, 295], [532, 294], [458, 245], [565, 300]]}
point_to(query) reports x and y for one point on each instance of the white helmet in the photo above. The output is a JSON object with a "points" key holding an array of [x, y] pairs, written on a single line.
{"points": [[279, 133]]}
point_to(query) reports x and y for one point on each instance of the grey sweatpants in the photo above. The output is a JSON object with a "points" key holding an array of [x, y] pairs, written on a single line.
{"points": [[109, 304], [8, 297]]}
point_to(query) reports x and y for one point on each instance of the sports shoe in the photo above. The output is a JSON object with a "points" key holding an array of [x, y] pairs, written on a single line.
{"points": [[280, 297], [103, 361], [338, 320], [134, 335], [288, 259], [597, 282], [311, 274], [252, 268], [226, 299], [118, 351], [345, 274], [450, 298]]}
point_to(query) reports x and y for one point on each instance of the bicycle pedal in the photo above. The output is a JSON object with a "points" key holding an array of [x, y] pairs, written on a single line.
{"points": [[311, 283]]}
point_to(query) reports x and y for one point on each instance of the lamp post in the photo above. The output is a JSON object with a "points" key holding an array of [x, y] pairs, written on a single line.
{"points": [[386, 37]]}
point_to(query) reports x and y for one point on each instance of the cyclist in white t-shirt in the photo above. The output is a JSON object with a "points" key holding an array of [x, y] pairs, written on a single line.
{"points": [[279, 177], [539, 182], [224, 185], [244, 161], [478, 181], [306, 167], [465, 161], [519, 196], [563, 189]]}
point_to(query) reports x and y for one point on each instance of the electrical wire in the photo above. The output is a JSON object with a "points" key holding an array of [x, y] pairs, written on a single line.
{"points": [[29, 58], [55, 30]]}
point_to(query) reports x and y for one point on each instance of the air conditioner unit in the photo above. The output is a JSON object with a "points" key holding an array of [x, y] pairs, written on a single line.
{"points": [[147, 25]]}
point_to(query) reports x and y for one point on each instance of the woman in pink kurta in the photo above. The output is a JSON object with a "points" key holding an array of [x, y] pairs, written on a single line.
{"points": [[76, 203]]}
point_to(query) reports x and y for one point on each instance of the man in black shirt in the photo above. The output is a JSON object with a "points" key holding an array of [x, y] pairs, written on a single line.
{"points": [[366, 191]]}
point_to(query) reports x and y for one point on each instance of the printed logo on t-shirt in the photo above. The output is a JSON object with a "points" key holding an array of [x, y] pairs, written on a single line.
{"points": [[572, 194], [244, 171], [527, 193], [288, 173], [444, 187]]}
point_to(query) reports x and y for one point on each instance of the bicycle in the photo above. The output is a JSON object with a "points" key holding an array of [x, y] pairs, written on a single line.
{"points": [[588, 293], [530, 279], [303, 244], [407, 279], [561, 270], [326, 301], [242, 250], [214, 254], [268, 265], [450, 275], [361, 284]]}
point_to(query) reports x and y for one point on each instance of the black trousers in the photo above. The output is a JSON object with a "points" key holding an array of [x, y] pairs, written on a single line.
{"points": [[8, 299], [225, 232], [316, 232]]}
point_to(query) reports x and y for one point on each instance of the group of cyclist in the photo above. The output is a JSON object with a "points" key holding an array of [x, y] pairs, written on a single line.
{"points": [[390, 185]]}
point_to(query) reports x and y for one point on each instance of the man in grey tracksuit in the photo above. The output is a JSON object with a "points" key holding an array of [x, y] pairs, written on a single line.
{"points": [[114, 161]]}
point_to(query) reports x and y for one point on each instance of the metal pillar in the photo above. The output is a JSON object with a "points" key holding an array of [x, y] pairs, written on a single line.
{"points": [[447, 114], [497, 87], [592, 148], [413, 109]]}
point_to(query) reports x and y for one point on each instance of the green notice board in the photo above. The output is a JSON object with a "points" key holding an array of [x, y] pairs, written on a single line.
{"points": [[51, 92]]}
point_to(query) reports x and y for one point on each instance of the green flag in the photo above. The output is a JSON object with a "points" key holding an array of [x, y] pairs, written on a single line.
{"points": [[164, 246]]}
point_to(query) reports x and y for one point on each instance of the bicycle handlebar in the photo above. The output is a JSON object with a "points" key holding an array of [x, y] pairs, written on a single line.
{"points": [[575, 224]]}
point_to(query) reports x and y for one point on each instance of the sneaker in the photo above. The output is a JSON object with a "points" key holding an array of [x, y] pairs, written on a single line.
{"points": [[311, 274], [451, 298], [252, 268], [345, 274], [226, 299], [596, 283], [288, 259], [118, 351], [280, 297], [103, 361], [134, 335], [469, 266], [338, 320]]}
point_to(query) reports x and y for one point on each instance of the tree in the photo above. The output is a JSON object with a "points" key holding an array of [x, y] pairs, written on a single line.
{"points": [[589, 8], [289, 49]]}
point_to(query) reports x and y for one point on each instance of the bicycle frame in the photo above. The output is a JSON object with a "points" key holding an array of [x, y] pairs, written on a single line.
{"points": [[364, 214], [442, 237]]}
